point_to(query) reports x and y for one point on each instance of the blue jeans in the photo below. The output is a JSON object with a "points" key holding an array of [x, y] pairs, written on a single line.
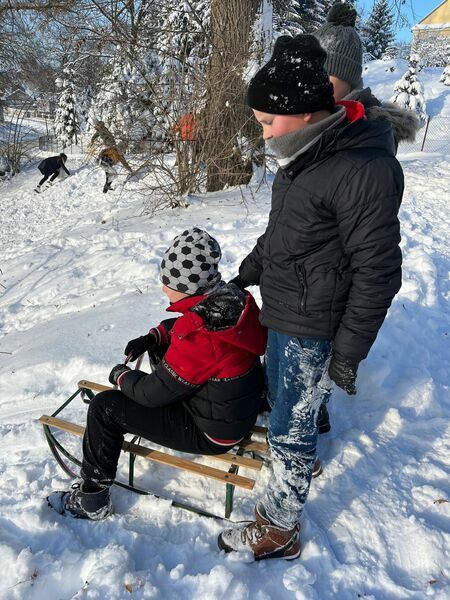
{"points": [[298, 383]]}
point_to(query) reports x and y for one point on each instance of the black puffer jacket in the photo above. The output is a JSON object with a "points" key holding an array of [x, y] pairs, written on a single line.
{"points": [[52, 165], [329, 262]]}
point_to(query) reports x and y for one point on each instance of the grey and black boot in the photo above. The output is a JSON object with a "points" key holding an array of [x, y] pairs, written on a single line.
{"points": [[82, 505]]}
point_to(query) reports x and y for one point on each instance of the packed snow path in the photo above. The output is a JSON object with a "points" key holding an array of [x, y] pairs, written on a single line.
{"points": [[79, 279]]}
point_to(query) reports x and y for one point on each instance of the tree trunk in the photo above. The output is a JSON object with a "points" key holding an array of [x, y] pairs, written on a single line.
{"points": [[226, 114]]}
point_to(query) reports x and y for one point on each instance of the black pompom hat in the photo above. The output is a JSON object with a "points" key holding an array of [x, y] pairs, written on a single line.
{"points": [[294, 81]]}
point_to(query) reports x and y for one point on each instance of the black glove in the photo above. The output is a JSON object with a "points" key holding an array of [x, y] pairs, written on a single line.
{"points": [[117, 372], [343, 373], [140, 345], [238, 281]]}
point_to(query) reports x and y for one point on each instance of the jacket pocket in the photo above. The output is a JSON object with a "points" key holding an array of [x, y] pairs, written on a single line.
{"points": [[303, 287], [342, 286]]}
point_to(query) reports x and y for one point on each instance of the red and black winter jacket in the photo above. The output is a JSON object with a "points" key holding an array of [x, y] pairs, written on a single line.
{"points": [[212, 363]]}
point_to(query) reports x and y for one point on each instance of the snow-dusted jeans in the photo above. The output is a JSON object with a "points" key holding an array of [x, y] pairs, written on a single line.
{"points": [[298, 383]]}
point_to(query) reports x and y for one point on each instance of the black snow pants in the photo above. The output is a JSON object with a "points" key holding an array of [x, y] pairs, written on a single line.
{"points": [[46, 176], [111, 414]]}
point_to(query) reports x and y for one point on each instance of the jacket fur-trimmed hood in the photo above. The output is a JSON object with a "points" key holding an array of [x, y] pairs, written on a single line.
{"points": [[405, 124]]}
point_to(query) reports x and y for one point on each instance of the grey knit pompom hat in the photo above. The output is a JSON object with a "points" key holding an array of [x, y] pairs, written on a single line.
{"points": [[343, 45], [191, 264]]}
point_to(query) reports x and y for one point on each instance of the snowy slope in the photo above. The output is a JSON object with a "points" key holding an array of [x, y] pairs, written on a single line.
{"points": [[79, 279]]}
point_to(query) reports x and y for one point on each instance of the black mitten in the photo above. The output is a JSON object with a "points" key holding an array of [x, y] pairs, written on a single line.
{"points": [[239, 282], [117, 372], [140, 345], [343, 373]]}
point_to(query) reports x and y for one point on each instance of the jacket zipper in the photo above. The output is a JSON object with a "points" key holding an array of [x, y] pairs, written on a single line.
{"points": [[302, 278]]}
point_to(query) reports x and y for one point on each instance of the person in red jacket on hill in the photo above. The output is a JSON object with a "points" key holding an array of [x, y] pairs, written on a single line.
{"points": [[204, 394]]}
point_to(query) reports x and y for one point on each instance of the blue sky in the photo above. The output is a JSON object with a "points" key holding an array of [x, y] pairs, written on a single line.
{"points": [[413, 10]]}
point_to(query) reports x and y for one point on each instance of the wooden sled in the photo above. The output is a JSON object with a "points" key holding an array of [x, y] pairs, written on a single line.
{"points": [[249, 454]]}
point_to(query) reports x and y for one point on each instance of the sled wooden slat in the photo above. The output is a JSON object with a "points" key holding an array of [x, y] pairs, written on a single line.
{"points": [[95, 387], [242, 461], [250, 445], [259, 429], [160, 457], [255, 446]]}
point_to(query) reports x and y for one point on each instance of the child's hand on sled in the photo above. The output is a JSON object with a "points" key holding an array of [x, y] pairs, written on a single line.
{"points": [[116, 372], [135, 348]]}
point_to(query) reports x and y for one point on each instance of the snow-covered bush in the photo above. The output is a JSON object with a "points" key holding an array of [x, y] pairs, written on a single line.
{"points": [[433, 50], [445, 77], [408, 92]]}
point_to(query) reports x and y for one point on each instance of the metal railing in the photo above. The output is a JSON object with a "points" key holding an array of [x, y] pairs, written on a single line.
{"points": [[49, 143], [434, 136]]}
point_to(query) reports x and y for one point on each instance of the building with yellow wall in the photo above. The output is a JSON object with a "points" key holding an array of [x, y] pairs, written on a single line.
{"points": [[436, 23]]}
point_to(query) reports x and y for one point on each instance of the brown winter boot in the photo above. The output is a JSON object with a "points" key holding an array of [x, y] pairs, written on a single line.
{"points": [[317, 469], [262, 538]]}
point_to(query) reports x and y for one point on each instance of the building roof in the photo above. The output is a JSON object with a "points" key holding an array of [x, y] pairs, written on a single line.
{"points": [[438, 7]]}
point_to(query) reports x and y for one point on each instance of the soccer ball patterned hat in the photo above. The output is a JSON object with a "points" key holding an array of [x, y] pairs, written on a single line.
{"points": [[190, 265]]}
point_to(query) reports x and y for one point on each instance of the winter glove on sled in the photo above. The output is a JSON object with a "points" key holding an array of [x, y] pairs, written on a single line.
{"points": [[238, 281], [140, 345], [116, 372], [343, 373]]}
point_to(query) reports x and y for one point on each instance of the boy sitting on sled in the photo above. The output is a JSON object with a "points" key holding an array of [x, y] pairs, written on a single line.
{"points": [[205, 393]]}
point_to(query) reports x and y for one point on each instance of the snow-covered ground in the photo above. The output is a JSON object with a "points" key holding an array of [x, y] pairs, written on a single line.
{"points": [[79, 279]]}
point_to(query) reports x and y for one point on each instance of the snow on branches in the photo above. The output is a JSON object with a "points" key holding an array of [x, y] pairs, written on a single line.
{"points": [[66, 121], [377, 31]]}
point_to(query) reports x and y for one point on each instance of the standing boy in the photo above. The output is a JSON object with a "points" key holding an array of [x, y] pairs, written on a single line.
{"points": [[328, 266]]}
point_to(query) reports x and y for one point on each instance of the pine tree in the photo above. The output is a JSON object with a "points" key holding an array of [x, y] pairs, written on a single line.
{"points": [[66, 121], [299, 16], [83, 104], [408, 92], [445, 77], [377, 31]]}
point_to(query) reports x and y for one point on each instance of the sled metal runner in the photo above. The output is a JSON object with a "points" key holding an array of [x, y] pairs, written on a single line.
{"points": [[231, 477]]}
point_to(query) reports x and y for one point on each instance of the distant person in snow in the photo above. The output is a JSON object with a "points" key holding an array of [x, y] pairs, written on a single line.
{"points": [[203, 396], [344, 64], [51, 167], [108, 159], [328, 267]]}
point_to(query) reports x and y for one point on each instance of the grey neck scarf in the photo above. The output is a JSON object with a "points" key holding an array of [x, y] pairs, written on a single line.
{"points": [[354, 94], [287, 148]]}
